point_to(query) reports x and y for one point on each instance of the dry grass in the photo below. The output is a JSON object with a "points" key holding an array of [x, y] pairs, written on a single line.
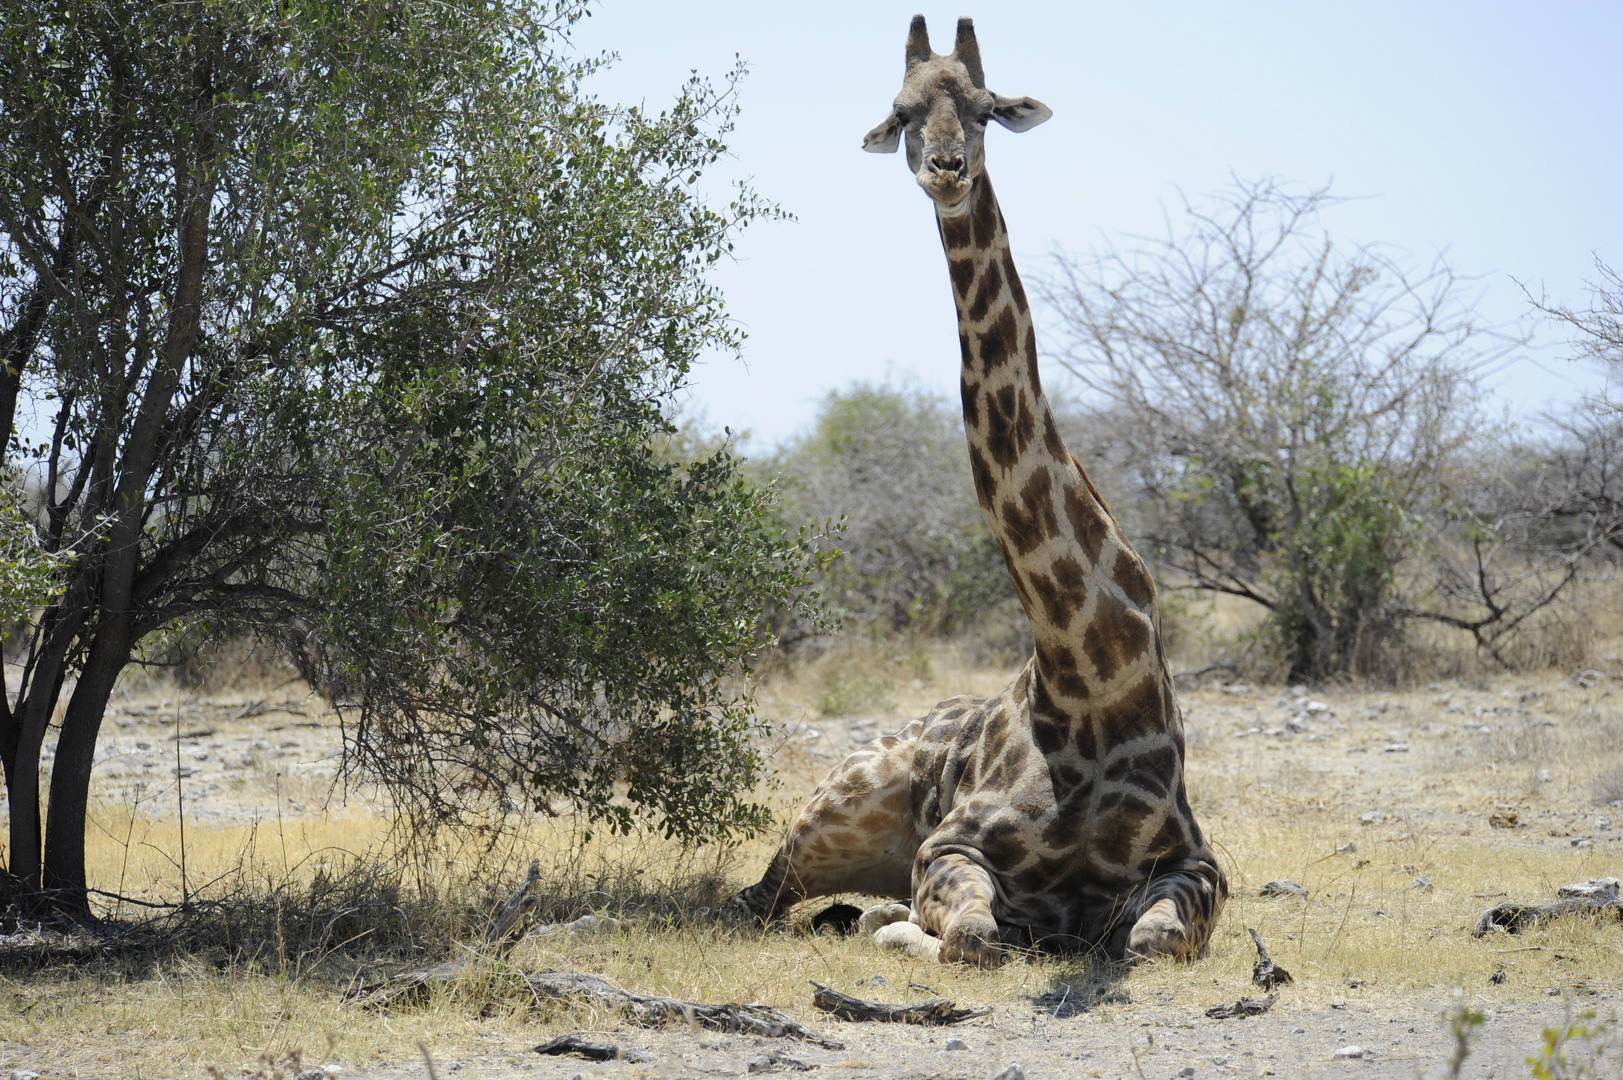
{"points": [[309, 920]]}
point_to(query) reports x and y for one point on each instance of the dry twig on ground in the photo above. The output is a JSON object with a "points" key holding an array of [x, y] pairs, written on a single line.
{"points": [[930, 1011]]}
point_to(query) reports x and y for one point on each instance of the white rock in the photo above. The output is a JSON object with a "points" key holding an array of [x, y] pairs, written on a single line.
{"points": [[1346, 1053], [1013, 1072], [955, 1044]]}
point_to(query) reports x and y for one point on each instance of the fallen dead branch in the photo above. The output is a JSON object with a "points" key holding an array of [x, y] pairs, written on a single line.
{"points": [[649, 1011], [1243, 1008], [931, 1011], [1265, 973], [1514, 918], [574, 1044], [1597, 898]]}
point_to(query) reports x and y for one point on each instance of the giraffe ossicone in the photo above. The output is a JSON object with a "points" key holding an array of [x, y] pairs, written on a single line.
{"points": [[1052, 814]]}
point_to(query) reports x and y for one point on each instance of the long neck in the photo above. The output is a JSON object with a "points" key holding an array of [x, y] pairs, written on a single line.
{"points": [[1089, 599]]}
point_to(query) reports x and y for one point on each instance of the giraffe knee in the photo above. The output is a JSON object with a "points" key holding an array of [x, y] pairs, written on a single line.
{"points": [[972, 939]]}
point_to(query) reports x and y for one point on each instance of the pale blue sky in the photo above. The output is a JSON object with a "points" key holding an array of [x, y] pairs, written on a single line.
{"points": [[1489, 130]]}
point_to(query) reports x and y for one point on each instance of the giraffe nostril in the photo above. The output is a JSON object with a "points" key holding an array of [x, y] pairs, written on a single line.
{"points": [[953, 164]]}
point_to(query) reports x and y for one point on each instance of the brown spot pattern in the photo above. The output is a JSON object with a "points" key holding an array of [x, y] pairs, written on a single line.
{"points": [[988, 289], [996, 344]]}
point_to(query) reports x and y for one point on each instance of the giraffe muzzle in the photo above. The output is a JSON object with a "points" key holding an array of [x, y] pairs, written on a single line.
{"points": [[945, 178]]}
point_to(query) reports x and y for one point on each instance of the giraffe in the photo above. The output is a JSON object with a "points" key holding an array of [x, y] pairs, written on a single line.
{"points": [[1053, 813]]}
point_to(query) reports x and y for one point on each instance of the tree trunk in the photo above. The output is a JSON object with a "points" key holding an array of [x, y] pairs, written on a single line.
{"points": [[64, 862], [64, 851], [22, 800], [25, 734]]}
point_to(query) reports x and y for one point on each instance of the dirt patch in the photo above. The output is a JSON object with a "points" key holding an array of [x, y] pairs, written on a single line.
{"points": [[1401, 816]]}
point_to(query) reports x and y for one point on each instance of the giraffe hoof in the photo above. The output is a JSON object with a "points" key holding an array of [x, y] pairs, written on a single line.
{"points": [[1158, 932], [910, 938], [972, 939], [882, 915]]}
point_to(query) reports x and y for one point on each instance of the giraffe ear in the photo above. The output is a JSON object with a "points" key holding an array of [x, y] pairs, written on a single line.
{"points": [[885, 138], [1021, 113]]}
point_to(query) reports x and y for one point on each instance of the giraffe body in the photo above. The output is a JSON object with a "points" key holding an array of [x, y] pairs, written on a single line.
{"points": [[1054, 812]]}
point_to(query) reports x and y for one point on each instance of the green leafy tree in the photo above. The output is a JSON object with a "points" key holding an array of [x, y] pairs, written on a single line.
{"points": [[355, 326]]}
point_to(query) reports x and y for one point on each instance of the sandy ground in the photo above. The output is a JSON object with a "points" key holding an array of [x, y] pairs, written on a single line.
{"points": [[1397, 1041], [1399, 784]]}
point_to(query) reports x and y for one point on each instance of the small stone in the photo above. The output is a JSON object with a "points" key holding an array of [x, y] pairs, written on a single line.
{"points": [[1283, 887], [1421, 881], [1503, 819], [1347, 1053], [1347, 849], [955, 1044], [24, 1074], [1187, 1070], [1013, 1072], [1371, 817], [1222, 1059], [1602, 824], [1544, 776], [1395, 748], [877, 980], [759, 1064]]}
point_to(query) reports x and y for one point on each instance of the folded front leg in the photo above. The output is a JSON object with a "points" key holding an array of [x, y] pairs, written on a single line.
{"points": [[1177, 915], [953, 898]]}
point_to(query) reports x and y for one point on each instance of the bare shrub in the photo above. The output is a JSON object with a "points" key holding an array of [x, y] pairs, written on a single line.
{"points": [[1599, 326], [1528, 524], [1298, 424], [1287, 409]]}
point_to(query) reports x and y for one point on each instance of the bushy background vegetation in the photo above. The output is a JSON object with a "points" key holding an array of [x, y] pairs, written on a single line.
{"points": [[1290, 427]]}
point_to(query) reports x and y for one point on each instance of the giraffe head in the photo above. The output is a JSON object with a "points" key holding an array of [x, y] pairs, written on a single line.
{"points": [[943, 110]]}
